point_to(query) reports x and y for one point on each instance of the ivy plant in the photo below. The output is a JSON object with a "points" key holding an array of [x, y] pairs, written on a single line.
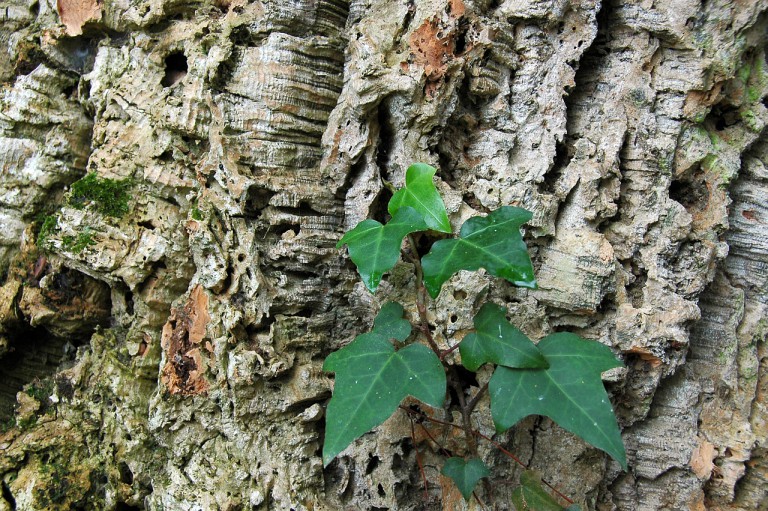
{"points": [[559, 377]]}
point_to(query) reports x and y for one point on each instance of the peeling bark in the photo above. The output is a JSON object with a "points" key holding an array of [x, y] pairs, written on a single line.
{"points": [[170, 358]]}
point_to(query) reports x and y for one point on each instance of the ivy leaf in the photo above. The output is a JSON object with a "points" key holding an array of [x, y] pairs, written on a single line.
{"points": [[420, 194], [492, 242], [498, 342], [570, 392], [390, 323], [372, 379], [465, 473], [530, 496], [375, 248]]}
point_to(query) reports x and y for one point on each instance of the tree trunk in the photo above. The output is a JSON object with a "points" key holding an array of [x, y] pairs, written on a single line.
{"points": [[169, 356]]}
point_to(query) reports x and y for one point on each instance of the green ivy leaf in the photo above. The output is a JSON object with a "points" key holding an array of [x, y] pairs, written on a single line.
{"points": [[530, 496], [390, 322], [375, 248], [465, 473], [492, 242], [570, 392], [372, 379], [420, 194], [498, 342]]}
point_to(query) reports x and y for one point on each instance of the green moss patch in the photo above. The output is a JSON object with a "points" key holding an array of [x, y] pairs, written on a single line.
{"points": [[109, 196]]}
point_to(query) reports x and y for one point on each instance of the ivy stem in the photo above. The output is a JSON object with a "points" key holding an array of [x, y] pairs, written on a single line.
{"points": [[491, 441], [418, 460], [421, 296], [450, 350], [466, 413], [476, 399]]}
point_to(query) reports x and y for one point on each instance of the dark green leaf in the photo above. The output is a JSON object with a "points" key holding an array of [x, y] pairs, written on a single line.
{"points": [[372, 379], [530, 496], [498, 342], [375, 248], [390, 322], [492, 242], [570, 392], [465, 473], [420, 194]]}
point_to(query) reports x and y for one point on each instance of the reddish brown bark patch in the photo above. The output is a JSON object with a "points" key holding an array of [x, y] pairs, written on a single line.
{"points": [[182, 337], [749, 215], [433, 45], [76, 13]]}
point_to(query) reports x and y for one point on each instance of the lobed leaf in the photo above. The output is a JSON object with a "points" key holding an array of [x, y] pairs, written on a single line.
{"points": [[420, 194], [499, 342], [389, 321], [530, 496], [570, 392], [372, 379], [465, 473], [492, 242], [375, 248]]}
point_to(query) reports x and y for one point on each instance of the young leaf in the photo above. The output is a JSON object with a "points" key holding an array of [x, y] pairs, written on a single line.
{"points": [[420, 194], [498, 342], [530, 496], [465, 473], [492, 242], [389, 322], [372, 379], [375, 248], [570, 392]]}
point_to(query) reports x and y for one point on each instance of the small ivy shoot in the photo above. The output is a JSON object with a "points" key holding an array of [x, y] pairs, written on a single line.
{"points": [[559, 377]]}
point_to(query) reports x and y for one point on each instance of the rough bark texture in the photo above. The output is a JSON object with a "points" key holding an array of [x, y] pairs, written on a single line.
{"points": [[170, 357]]}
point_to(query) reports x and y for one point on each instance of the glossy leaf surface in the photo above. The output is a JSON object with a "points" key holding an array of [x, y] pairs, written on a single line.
{"points": [[420, 194], [570, 392], [465, 473], [372, 379], [375, 248], [497, 341], [531, 496], [492, 242]]}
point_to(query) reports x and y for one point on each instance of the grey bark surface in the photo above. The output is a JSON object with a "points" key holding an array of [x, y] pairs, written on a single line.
{"points": [[170, 357]]}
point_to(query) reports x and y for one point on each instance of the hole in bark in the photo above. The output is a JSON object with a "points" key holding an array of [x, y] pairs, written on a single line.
{"points": [[380, 490], [126, 475], [692, 193], [373, 462], [467, 378], [69, 90], [122, 506], [459, 295], [461, 37], [280, 230], [549, 184], [722, 117], [28, 368], [256, 199], [175, 69], [8, 496], [378, 207], [386, 135]]}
